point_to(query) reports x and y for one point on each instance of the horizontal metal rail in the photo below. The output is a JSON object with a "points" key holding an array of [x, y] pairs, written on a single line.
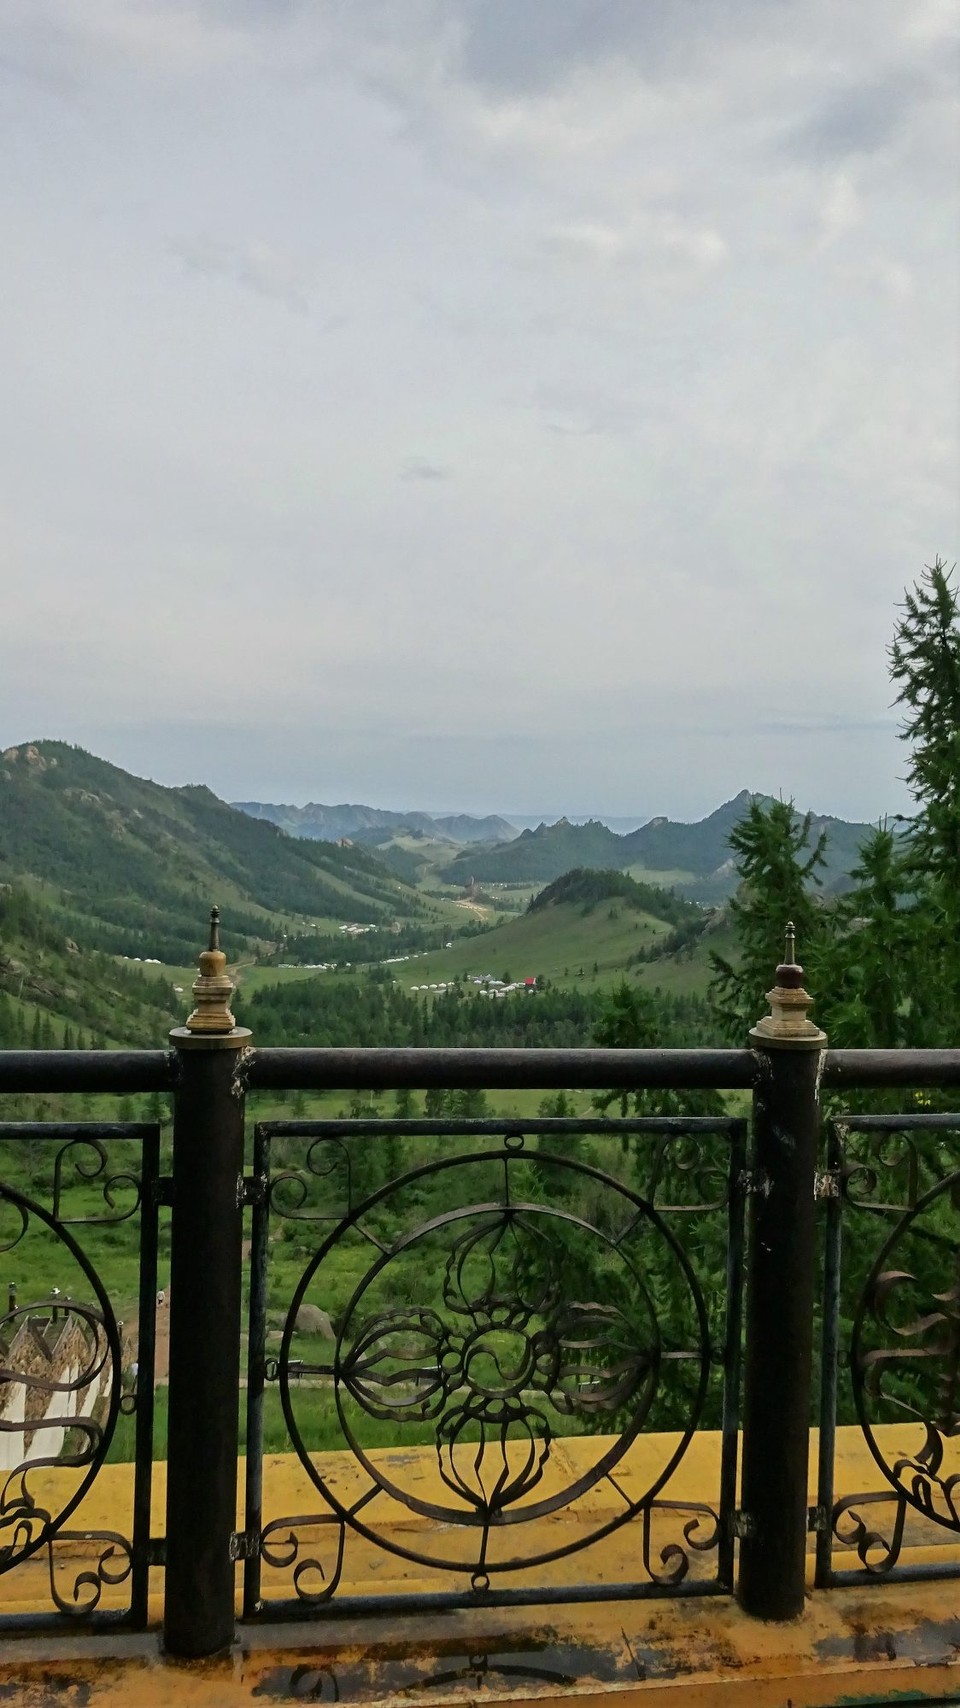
{"points": [[494, 1126], [503, 1070], [326, 1069], [384, 1606], [93, 1130], [849, 1069], [86, 1070]]}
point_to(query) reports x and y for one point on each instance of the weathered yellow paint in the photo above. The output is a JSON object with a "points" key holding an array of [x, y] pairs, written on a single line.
{"points": [[850, 1646], [890, 1645]]}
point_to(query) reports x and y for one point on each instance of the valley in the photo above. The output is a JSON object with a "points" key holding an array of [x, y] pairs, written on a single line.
{"points": [[105, 879], [398, 936]]}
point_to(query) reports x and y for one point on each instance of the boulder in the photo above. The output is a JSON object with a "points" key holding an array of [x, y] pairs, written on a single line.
{"points": [[312, 1320]]}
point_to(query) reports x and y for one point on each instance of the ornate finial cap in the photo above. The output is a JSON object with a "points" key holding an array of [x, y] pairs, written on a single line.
{"points": [[213, 988], [788, 1026]]}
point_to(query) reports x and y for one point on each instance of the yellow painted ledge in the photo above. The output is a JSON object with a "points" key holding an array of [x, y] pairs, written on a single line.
{"points": [[885, 1643], [892, 1645]]}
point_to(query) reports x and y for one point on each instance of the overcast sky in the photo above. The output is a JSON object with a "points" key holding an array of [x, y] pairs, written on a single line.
{"points": [[521, 405]]}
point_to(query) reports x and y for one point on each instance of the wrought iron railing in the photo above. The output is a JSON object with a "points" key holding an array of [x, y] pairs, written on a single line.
{"points": [[64, 1380], [509, 1299], [891, 1346], [545, 1319]]}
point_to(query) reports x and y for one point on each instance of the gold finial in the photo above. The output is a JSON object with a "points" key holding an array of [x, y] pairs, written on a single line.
{"points": [[787, 1026], [213, 988]]}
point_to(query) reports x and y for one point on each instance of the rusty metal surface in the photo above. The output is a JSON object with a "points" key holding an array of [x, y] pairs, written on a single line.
{"points": [[903, 1649]]}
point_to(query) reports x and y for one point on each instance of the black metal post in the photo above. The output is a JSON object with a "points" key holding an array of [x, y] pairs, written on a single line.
{"points": [[781, 1265], [205, 1309]]}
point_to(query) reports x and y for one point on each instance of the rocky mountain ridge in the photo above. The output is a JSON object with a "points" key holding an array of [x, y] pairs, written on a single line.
{"points": [[317, 822]]}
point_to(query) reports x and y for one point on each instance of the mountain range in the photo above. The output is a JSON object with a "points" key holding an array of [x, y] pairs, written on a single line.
{"points": [[129, 866], [376, 824], [694, 859]]}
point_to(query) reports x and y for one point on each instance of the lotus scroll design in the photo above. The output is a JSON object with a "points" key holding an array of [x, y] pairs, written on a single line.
{"points": [[506, 1351]]}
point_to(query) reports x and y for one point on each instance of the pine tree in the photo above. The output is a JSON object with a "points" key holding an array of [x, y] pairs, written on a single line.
{"points": [[868, 969], [925, 663], [777, 865], [469, 1104], [630, 1022]]}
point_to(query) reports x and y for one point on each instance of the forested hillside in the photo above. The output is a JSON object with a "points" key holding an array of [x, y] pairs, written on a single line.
{"points": [[373, 1013], [586, 888], [55, 995], [130, 867]]}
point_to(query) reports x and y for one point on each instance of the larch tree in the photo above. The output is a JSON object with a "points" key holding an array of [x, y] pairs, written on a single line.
{"points": [[925, 665], [779, 870]]}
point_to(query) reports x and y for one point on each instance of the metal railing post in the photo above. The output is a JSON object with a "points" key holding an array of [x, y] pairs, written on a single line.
{"points": [[781, 1266], [205, 1311]]}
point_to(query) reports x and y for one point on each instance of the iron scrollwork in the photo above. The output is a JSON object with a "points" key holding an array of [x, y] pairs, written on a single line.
{"points": [[60, 1364], [120, 1189], [877, 1549], [283, 1545], [113, 1566], [290, 1190], [889, 1162], [493, 1366], [905, 1357]]}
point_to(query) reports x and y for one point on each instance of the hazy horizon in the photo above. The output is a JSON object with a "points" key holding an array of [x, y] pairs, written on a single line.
{"points": [[522, 817]]}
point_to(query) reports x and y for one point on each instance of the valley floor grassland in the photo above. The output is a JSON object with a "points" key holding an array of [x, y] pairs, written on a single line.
{"points": [[565, 944], [572, 948]]}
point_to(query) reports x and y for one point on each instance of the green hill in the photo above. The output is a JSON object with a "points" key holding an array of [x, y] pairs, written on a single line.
{"points": [[586, 925], [586, 888], [538, 855], [129, 867], [55, 995]]}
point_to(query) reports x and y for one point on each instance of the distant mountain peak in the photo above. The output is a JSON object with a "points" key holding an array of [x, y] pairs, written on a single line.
{"points": [[694, 858], [319, 823]]}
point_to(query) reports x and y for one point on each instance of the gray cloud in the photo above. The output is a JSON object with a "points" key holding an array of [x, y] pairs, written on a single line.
{"points": [[859, 119], [257, 267], [661, 295], [584, 411], [531, 48], [420, 468]]}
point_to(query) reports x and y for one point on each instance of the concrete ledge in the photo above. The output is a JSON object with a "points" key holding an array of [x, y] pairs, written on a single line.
{"points": [[884, 1642], [892, 1645]]}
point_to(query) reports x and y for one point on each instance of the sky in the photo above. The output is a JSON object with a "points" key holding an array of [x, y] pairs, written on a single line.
{"points": [[531, 406]]}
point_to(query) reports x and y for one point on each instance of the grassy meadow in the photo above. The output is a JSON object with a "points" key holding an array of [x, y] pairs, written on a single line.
{"points": [[564, 944]]}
